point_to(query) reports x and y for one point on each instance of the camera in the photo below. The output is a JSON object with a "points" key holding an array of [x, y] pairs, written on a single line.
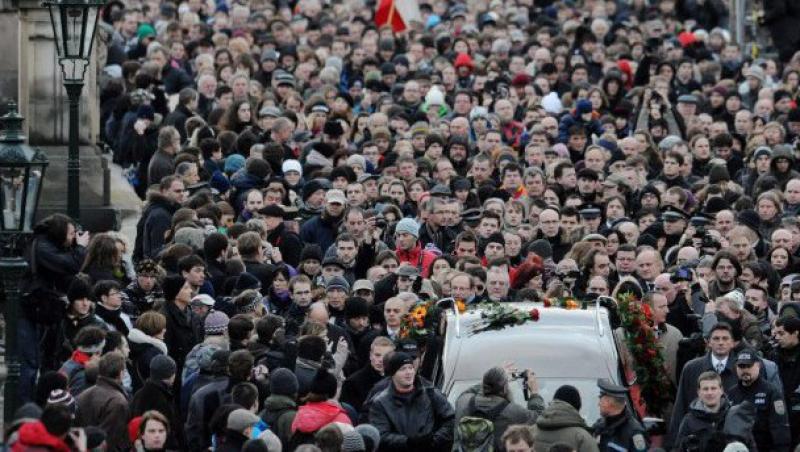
{"points": [[520, 375], [680, 274], [380, 221], [709, 241]]}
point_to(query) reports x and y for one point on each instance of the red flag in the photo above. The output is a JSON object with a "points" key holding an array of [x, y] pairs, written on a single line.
{"points": [[398, 13], [387, 13]]}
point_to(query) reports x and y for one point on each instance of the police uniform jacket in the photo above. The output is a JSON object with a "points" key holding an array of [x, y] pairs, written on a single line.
{"points": [[621, 433], [771, 429]]}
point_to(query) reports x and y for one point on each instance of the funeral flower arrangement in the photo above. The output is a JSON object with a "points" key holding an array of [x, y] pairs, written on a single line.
{"points": [[636, 320]]}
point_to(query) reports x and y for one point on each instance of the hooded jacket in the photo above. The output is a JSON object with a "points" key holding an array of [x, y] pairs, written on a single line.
{"points": [[510, 415], [143, 349], [34, 437], [279, 413], [313, 416], [155, 221], [417, 258], [783, 178], [561, 423]]}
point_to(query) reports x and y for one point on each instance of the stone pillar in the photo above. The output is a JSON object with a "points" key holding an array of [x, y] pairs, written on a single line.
{"points": [[43, 102], [42, 98]]}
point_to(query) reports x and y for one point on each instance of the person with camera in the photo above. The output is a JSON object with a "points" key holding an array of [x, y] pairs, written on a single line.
{"points": [[786, 355], [54, 257], [705, 427], [771, 430], [730, 309], [492, 400]]}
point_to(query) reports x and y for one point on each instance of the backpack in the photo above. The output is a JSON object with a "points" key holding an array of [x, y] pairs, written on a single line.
{"points": [[475, 433]]}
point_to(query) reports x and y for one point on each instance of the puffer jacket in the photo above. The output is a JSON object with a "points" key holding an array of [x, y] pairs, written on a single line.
{"points": [[510, 415], [561, 423], [398, 417]]}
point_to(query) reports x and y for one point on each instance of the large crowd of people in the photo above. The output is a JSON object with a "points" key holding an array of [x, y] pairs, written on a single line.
{"points": [[308, 176]]}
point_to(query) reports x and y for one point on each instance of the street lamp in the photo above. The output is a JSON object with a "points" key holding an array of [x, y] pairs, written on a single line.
{"points": [[74, 24], [21, 175]]}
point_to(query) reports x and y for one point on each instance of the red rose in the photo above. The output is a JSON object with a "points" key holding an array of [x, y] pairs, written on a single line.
{"points": [[652, 353], [547, 303], [534, 314]]}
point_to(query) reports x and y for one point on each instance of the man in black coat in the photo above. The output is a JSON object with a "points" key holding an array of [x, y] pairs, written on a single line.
{"points": [[787, 356], [156, 394], [187, 105], [180, 336], [720, 359], [409, 414], [156, 219], [617, 429], [252, 253], [357, 387], [781, 17], [771, 430], [279, 237]]}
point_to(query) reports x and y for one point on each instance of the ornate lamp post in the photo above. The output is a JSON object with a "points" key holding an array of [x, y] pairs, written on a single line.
{"points": [[22, 171], [74, 25]]}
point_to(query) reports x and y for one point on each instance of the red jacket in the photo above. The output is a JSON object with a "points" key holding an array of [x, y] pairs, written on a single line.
{"points": [[313, 416], [34, 437], [412, 257]]}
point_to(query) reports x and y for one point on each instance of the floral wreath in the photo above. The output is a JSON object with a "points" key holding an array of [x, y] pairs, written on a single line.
{"points": [[636, 319], [497, 316], [422, 318]]}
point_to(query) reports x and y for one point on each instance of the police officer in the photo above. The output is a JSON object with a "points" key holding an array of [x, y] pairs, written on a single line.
{"points": [[617, 430], [771, 429]]}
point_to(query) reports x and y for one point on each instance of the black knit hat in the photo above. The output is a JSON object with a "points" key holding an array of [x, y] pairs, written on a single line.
{"points": [[283, 382], [333, 128], [356, 307], [171, 286], [258, 168], [246, 281], [312, 187], [397, 361], [496, 237], [311, 251], [323, 384], [569, 394], [79, 289]]}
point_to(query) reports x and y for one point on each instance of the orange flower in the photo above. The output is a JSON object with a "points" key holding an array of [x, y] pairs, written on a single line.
{"points": [[461, 306], [571, 304], [418, 316]]}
